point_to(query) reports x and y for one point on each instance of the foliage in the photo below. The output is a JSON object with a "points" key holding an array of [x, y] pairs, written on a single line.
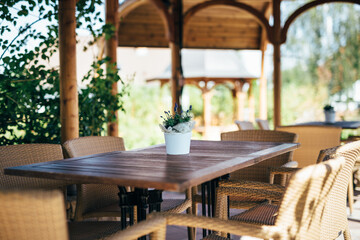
{"points": [[143, 107], [29, 89], [222, 104], [324, 48], [329, 44], [171, 120], [97, 105], [328, 107]]}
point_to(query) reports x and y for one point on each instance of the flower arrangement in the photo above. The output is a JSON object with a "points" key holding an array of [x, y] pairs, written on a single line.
{"points": [[329, 108], [177, 122]]}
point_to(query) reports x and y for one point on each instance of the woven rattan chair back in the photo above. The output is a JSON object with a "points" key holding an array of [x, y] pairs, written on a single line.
{"points": [[40, 214], [22, 154], [32, 215], [312, 139], [92, 197], [244, 125], [262, 124], [306, 198], [84, 146], [335, 215], [259, 172]]}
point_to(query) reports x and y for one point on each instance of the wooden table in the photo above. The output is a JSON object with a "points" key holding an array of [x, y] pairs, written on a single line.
{"points": [[153, 168], [342, 124]]}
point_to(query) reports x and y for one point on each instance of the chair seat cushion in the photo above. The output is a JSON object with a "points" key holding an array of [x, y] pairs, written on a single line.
{"points": [[113, 210], [92, 230], [213, 236], [263, 214]]}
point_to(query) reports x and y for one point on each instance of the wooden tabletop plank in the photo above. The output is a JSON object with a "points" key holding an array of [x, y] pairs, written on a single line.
{"points": [[153, 168]]}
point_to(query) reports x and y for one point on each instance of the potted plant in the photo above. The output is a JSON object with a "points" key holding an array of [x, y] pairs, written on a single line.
{"points": [[329, 112], [177, 129]]}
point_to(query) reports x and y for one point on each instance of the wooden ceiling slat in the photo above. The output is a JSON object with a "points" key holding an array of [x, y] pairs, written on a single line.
{"points": [[220, 27]]}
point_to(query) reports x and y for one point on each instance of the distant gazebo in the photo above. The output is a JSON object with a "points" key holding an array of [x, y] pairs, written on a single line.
{"points": [[207, 68]]}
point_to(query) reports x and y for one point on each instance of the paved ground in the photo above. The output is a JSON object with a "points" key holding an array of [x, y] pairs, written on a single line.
{"points": [[180, 233]]}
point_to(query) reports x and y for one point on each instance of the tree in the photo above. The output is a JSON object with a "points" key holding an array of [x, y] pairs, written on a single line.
{"points": [[29, 90], [326, 48]]}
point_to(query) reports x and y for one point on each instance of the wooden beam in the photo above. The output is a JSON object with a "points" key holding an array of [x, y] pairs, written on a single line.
{"points": [[240, 97], [69, 105], [251, 102], [206, 96], [175, 74], [263, 80], [165, 16], [111, 46], [259, 17], [176, 43], [276, 41], [128, 6], [263, 89]]}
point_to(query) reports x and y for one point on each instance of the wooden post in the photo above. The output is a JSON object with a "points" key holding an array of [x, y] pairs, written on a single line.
{"points": [[240, 100], [69, 109], [251, 102], [277, 62], [263, 89], [177, 80], [111, 46], [175, 73], [206, 95]]}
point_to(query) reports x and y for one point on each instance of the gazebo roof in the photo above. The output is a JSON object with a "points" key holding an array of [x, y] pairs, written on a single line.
{"points": [[216, 27], [211, 64]]}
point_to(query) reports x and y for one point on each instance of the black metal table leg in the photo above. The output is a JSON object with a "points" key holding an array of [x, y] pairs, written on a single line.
{"points": [[125, 202], [208, 196], [203, 204], [214, 184], [143, 199], [155, 200]]}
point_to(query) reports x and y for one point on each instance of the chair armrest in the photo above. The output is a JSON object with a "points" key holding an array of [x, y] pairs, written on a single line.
{"points": [[252, 185], [291, 164], [250, 193], [283, 170], [156, 226], [221, 225]]}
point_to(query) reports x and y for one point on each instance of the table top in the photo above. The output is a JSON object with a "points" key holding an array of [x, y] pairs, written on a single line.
{"points": [[342, 124], [153, 168]]}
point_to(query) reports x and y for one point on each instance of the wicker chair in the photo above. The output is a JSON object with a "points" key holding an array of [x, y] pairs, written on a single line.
{"points": [[40, 214], [22, 154], [312, 140], [260, 172], [99, 200], [334, 216], [95, 200], [263, 124], [251, 176], [244, 125], [303, 213]]}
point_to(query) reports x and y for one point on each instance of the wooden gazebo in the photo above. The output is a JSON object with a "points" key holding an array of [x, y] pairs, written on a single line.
{"points": [[221, 24], [205, 69]]}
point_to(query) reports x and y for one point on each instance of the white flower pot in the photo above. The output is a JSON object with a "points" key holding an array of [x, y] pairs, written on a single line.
{"points": [[177, 143], [329, 116]]}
